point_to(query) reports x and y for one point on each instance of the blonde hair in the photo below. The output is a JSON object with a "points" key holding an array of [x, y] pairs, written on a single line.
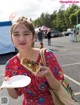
{"points": [[26, 22]]}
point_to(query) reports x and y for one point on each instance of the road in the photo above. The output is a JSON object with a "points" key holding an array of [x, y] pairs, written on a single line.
{"points": [[67, 54]]}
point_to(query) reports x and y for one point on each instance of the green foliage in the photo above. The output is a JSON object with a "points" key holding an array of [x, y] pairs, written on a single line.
{"points": [[60, 20]]}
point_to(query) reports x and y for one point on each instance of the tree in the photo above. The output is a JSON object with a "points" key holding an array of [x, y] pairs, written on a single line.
{"points": [[60, 20], [69, 14]]}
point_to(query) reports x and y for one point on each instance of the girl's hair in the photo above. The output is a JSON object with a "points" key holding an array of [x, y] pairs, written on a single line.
{"points": [[26, 22]]}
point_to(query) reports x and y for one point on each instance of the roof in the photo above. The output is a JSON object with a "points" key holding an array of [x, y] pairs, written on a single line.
{"points": [[5, 23]]}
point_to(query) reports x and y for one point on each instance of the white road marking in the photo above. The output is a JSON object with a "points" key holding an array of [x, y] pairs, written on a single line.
{"points": [[78, 63], [77, 93], [71, 79], [76, 82]]}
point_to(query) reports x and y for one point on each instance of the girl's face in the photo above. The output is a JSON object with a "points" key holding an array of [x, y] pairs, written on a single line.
{"points": [[22, 38]]}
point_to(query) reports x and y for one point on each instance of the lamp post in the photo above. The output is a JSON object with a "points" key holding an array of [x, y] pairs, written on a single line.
{"points": [[77, 18], [76, 29]]}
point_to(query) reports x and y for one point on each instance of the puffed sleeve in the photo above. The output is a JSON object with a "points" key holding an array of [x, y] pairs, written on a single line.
{"points": [[9, 73], [8, 70], [53, 64]]}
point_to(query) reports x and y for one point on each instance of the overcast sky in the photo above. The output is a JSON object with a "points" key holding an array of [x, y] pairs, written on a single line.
{"points": [[29, 8]]}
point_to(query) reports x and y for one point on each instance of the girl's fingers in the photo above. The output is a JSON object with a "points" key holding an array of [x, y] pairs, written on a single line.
{"points": [[44, 67], [43, 71], [1, 88], [6, 78]]}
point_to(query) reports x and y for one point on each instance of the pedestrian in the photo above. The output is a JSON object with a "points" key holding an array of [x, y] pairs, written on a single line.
{"points": [[49, 38], [37, 92], [40, 38]]}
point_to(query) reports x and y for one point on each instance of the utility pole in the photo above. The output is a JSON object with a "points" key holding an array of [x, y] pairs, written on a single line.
{"points": [[76, 24]]}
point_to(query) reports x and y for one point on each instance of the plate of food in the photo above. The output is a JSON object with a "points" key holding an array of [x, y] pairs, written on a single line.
{"points": [[16, 81], [32, 66]]}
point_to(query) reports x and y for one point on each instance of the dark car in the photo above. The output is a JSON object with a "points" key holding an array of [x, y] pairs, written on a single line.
{"points": [[67, 33], [72, 31], [55, 33]]}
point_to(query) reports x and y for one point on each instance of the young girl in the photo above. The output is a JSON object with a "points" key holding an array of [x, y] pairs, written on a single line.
{"points": [[37, 92]]}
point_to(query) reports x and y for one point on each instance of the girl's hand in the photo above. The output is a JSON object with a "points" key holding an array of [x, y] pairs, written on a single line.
{"points": [[44, 71], [5, 79], [1, 88]]}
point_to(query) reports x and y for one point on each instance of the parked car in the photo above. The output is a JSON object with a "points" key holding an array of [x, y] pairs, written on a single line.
{"points": [[55, 33], [67, 33], [71, 31]]}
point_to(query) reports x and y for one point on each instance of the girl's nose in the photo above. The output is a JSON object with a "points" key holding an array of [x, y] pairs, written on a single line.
{"points": [[21, 38]]}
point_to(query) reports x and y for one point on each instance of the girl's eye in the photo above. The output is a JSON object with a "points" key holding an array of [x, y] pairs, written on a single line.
{"points": [[16, 34], [27, 34]]}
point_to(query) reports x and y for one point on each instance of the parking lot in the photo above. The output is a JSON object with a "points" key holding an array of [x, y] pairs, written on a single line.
{"points": [[68, 55]]}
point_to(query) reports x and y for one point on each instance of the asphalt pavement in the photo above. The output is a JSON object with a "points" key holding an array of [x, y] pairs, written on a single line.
{"points": [[68, 56]]}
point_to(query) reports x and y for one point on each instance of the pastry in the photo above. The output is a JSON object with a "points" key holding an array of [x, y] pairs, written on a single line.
{"points": [[31, 65]]}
